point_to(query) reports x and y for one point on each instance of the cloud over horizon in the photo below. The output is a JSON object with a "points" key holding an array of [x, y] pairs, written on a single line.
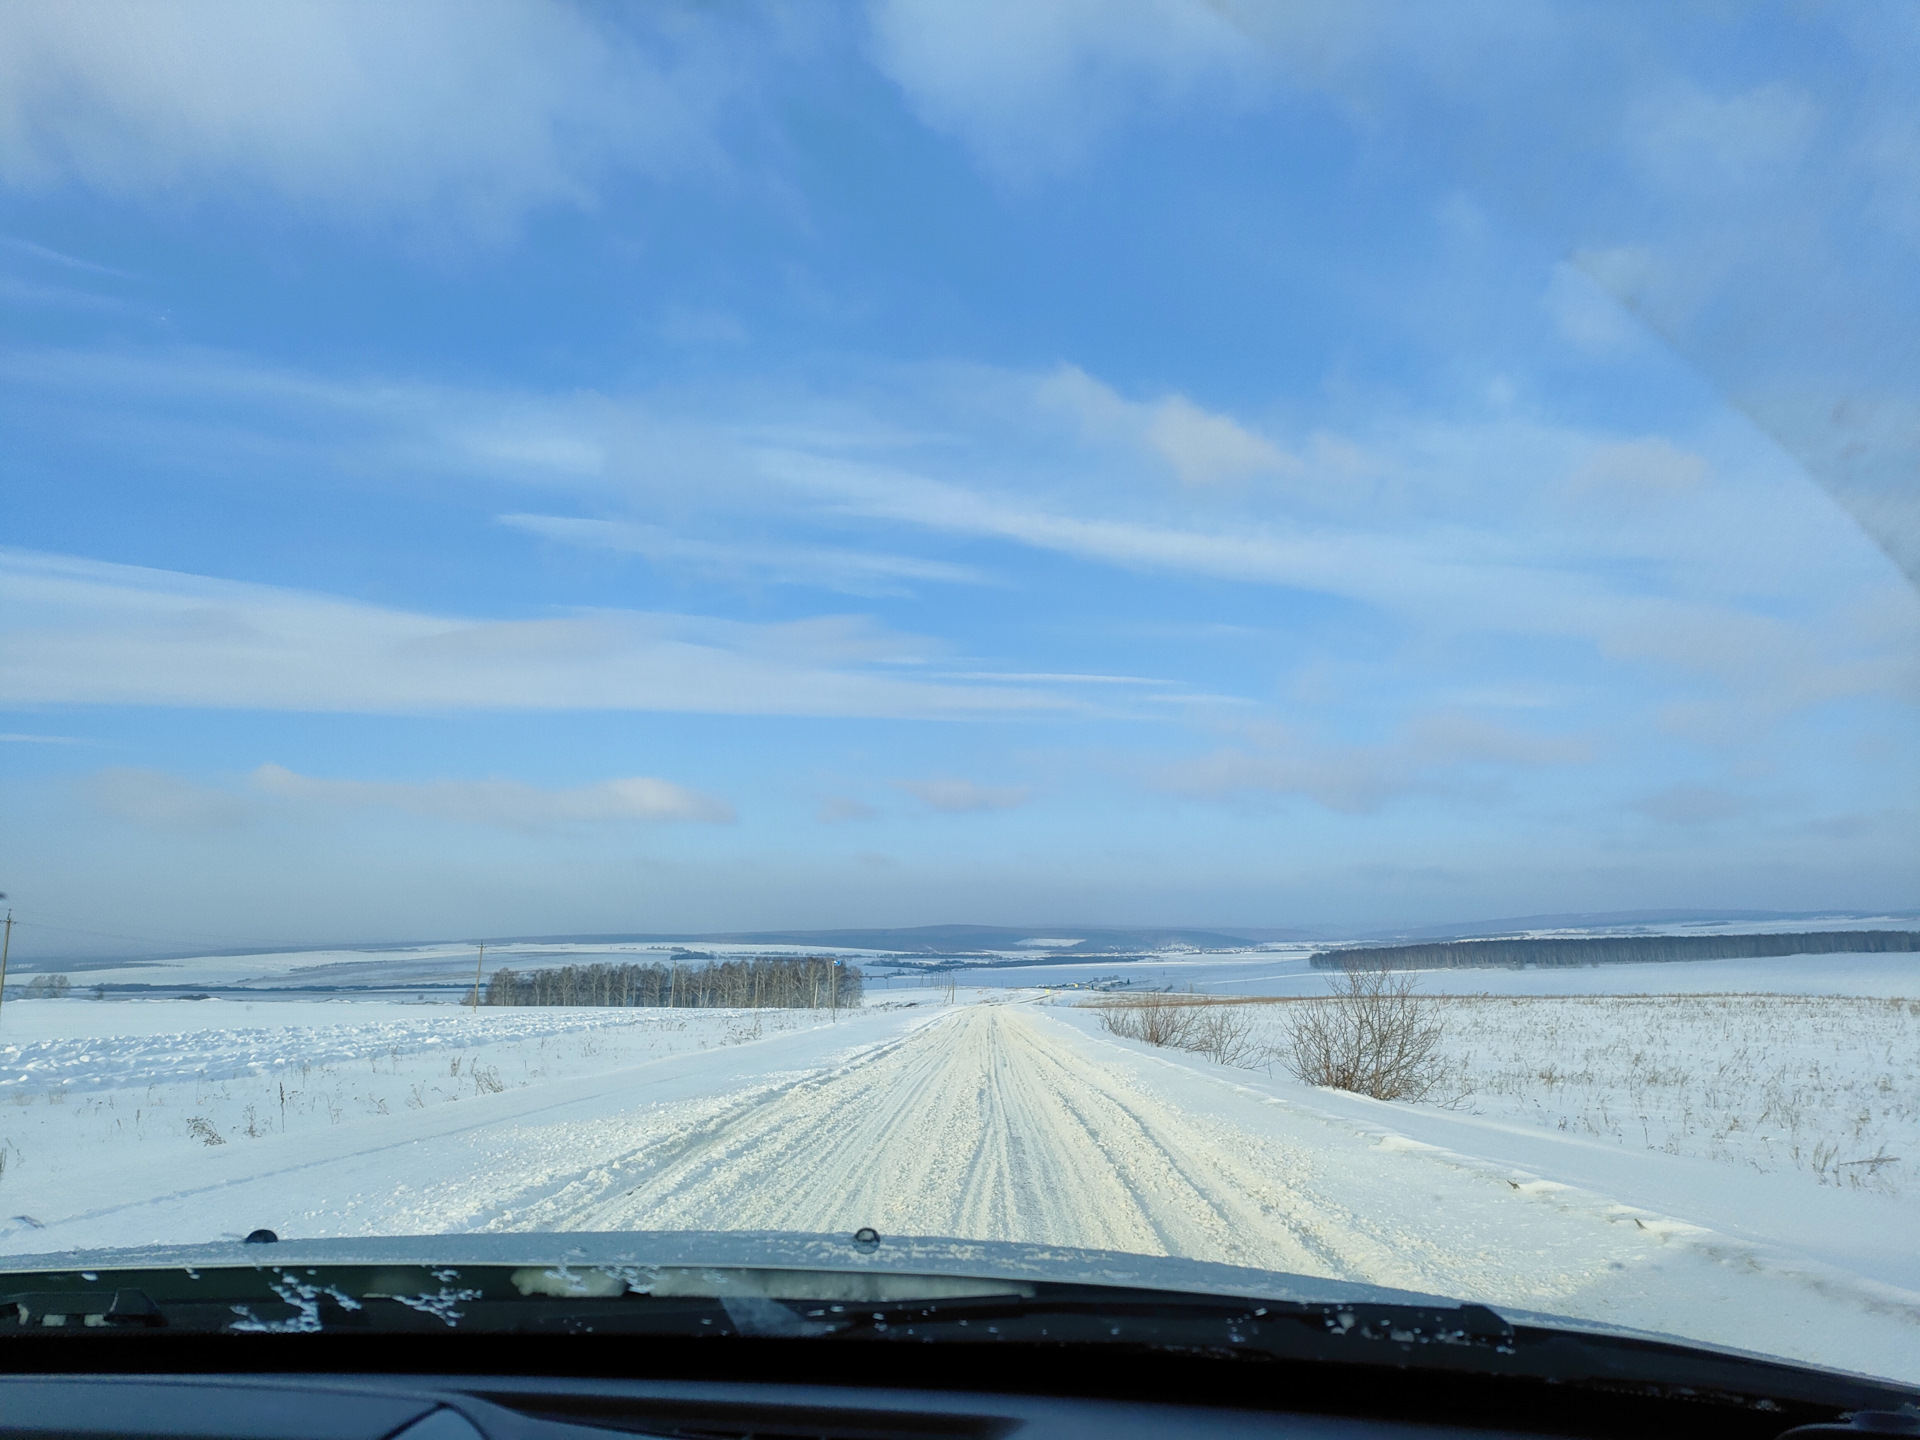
{"points": [[1151, 461], [169, 802]]}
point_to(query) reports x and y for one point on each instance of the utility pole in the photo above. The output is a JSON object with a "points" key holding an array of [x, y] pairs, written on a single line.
{"points": [[476, 976], [6, 944]]}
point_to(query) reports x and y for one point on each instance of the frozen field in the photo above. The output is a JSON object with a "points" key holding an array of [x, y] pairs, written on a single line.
{"points": [[1689, 1163]]}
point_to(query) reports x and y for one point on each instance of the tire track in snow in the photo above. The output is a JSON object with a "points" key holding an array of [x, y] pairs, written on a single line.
{"points": [[975, 1126]]}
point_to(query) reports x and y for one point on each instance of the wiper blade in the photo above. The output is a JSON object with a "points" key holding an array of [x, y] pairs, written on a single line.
{"points": [[685, 1304], [709, 1301], [86, 1308]]}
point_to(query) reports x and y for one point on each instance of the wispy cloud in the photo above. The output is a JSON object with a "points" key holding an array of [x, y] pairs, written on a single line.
{"points": [[1642, 548], [1050, 677], [166, 802], [88, 632], [1433, 754], [169, 802], [852, 572], [1451, 578], [507, 803], [1200, 446], [60, 258], [959, 796]]}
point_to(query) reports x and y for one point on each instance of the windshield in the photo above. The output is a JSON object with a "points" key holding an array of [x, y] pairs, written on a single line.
{"points": [[1281, 636]]}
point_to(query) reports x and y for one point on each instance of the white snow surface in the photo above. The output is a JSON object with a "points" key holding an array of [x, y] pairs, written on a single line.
{"points": [[1010, 1115]]}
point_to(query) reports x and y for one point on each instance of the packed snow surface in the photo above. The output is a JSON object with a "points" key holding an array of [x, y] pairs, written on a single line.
{"points": [[1616, 1190]]}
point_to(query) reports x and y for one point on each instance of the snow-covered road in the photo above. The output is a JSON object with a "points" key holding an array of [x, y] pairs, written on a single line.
{"points": [[1017, 1121], [989, 1124]]}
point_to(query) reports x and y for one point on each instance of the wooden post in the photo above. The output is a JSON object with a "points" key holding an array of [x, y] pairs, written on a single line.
{"points": [[6, 944], [833, 979], [476, 976]]}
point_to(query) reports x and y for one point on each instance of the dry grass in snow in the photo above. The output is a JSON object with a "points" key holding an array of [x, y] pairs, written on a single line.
{"points": [[1826, 1085], [1829, 1086]]}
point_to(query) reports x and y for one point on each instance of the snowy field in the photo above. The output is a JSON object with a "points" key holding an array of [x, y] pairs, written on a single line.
{"points": [[81, 1075], [1827, 1086], [1726, 1154]]}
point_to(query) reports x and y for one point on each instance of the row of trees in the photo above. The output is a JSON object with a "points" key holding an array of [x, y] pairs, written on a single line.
{"points": [[1612, 950], [811, 982]]}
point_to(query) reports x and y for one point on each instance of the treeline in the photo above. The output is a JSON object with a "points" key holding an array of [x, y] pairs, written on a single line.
{"points": [[1611, 950], [808, 983]]}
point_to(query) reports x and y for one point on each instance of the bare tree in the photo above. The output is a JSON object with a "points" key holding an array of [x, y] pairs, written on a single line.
{"points": [[1373, 1035]]}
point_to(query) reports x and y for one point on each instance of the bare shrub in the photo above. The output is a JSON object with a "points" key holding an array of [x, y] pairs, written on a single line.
{"points": [[1373, 1035], [201, 1129], [48, 987], [1225, 1034], [1156, 1019], [1223, 1031]]}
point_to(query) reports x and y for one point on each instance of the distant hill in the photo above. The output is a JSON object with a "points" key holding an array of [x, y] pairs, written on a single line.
{"points": [[1612, 950], [1666, 922], [936, 939]]}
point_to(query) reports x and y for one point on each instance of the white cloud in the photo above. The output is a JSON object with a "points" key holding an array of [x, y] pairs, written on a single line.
{"points": [[427, 110], [168, 802], [957, 796], [1434, 753], [1641, 470], [1692, 140], [851, 572], [1685, 606], [1201, 446], [507, 803], [86, 632], [1204, 447], [1028, 85], [1452, 526], [1588, 315]]}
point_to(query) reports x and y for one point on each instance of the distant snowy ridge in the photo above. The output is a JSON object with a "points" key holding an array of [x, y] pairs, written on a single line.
{"points": [[1613, 950]]}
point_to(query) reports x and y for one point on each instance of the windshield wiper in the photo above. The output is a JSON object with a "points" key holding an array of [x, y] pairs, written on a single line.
{"points": [[86, 1308], [761, 1306]]}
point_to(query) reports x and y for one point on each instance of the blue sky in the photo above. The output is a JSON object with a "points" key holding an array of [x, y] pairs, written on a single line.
{"points": [[537, 467]]}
